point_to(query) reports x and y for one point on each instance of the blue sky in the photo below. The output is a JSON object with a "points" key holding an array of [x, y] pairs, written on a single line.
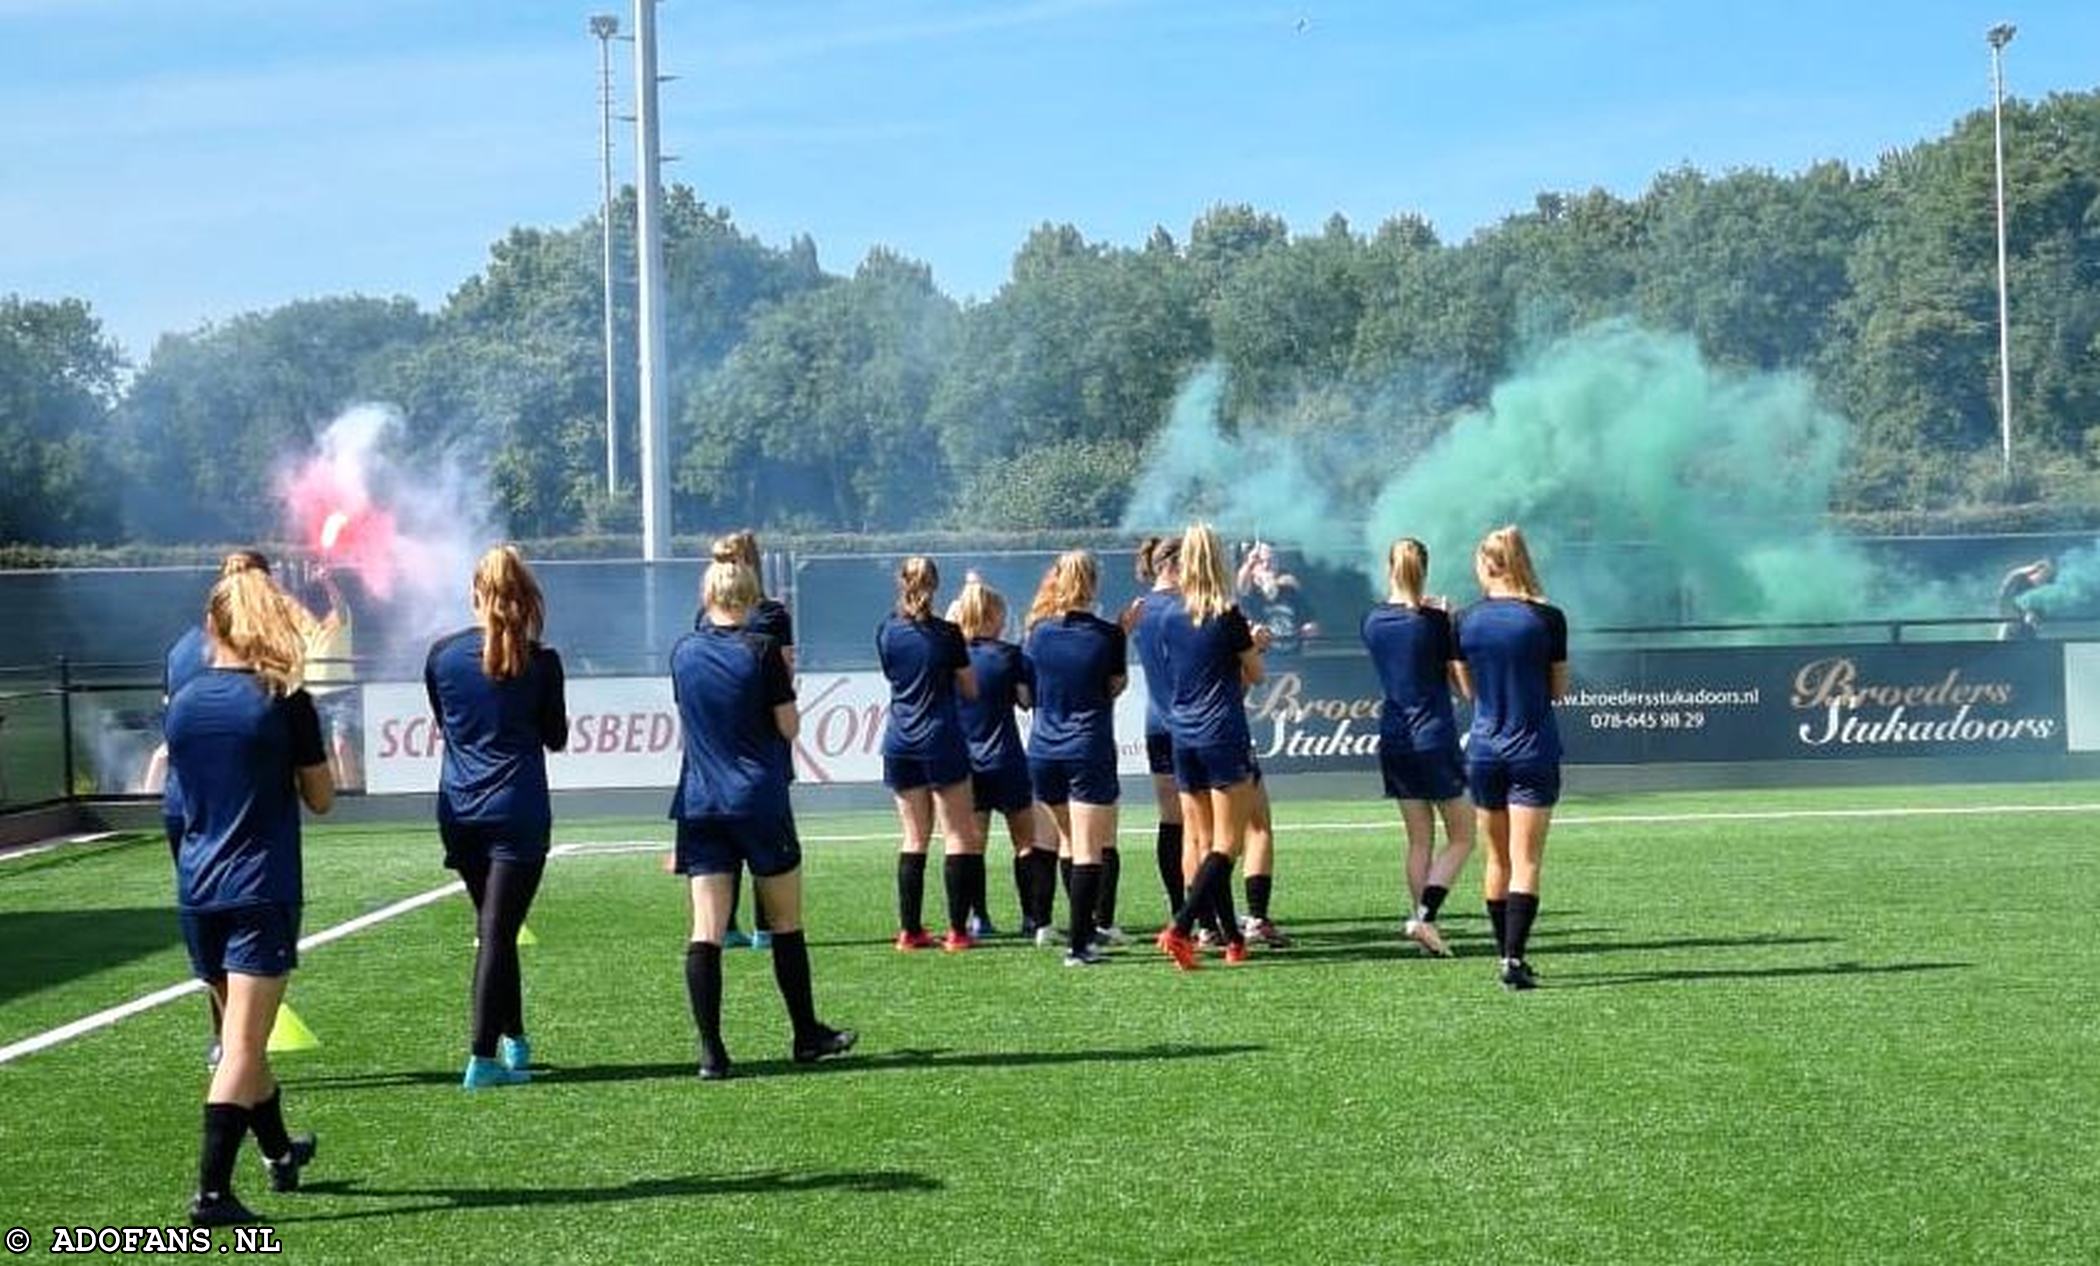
{"points": [[177, 161]]}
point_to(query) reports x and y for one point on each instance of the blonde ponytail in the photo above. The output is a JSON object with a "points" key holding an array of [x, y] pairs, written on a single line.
{"points": [[1504, 556], [1206, 588], [1407, 570], [513, 613], [917, 580], [1069, 584], [252, 619]]}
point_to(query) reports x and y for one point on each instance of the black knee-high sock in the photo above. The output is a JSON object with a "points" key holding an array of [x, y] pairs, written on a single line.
{"points": [[955, 878], [1215, 873], [225, 1125], [266, 1120], [1523, 909], [1024, 887], [1042, 868], [1167, 842], [791, 974], [974, 892], [911, 891], [1432, 901], [1111, 876], [1498, 918], [1085, 903], [1258, 889], [1064, 873], [703, 990], [1228, 920]]}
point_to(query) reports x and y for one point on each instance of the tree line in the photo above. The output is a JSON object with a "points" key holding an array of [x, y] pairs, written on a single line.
{"points": [[805, 401]]}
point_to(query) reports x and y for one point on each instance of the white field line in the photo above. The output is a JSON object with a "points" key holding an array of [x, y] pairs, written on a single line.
{"points": [[111, 1015], [30, 850], [613, 847]]}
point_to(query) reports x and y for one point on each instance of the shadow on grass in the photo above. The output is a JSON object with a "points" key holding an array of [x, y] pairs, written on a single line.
{"points": [[1692, 975], [1387, 946], [447, 1199], [40, 949], [886, 1061]]}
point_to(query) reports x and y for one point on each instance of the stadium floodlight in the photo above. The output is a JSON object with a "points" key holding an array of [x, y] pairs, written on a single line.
{"points": [[649, 305], [605, 27], [1998, 37]]}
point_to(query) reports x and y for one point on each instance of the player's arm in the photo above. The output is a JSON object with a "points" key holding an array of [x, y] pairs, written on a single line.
{"points": [[779, 684], [309, 754]]}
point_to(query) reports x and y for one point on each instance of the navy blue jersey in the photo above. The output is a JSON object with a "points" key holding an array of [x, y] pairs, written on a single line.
{"points": [[1152, 654], [921, 658], [1509, 645], [768, 617], [497, 732], [988, 720], [1412, 649], [187, 659], [1077, 657], [727, 681], [238, 748], [1209, 704]]}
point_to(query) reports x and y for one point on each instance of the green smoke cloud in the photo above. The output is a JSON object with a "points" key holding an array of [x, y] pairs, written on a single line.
{"points": [[1650, 484], [2074, 592]]}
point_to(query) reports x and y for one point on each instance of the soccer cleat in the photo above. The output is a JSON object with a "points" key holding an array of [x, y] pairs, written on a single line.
{"points": [[284, 1171], [909, 941], [956, 942], [1265, 932], [1235, 953], [1424, 933], [980, 927], [1179, 948], [824, 1044], [515, 1053], [1516, 975], [761, 940], [1048, 938], [219, 1208], [486, 1074], [1109, 936], [735, 938], [1085, 956], [1206, 939]]}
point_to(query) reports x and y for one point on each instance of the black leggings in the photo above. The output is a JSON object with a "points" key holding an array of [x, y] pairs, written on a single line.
{"points": [[502, 893]]}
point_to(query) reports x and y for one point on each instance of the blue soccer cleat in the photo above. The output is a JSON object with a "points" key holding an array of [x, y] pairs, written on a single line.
{"points": [[484, 1074], [761, 940], [515, 1053], [735, 938]]}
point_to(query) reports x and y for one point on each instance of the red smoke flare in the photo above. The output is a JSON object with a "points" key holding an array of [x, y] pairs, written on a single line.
{"points": [[364, 540]]}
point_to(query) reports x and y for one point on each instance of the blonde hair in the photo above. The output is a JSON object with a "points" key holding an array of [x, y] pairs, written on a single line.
{"points": [[241, 560], [979, 609], [1156, 554], [1206, 587], [740, 546], [252, 619], [1069, 584], [730, 586], [512, 611], [1503, 556], [1407, 570], [917, 579]]}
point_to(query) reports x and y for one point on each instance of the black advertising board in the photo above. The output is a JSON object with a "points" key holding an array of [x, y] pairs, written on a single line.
{"points": [[1929, 699]]}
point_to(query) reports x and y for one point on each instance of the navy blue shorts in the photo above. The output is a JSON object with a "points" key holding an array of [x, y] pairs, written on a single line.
{"points": [[909, 773], [720, 846], [1087, 781], [486, 842], [1213, 768], [1436, 775], [1159, 753], [174, 827], [1531, 784], [1005, 790], [252, 940]]}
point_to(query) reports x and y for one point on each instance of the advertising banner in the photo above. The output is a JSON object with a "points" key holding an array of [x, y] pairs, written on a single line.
{"points": [[2082, 695]]}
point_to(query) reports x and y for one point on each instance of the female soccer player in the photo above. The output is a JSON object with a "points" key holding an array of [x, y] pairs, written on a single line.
{"points": [[499, 701], [925, 759], [1213, 656], [245, 740], [736, 712], [998, 764], [1410, 641], [772, 619], [1081, 664], [1513, 664], [1159, 565]]}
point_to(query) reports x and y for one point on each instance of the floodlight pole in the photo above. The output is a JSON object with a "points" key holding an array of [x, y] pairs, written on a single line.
{"points": [[605, 26], [1999, 36], [649, 251]]}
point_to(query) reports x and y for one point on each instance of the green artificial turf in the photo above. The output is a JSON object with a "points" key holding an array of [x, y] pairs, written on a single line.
{"points": [[1862, 1039]]}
